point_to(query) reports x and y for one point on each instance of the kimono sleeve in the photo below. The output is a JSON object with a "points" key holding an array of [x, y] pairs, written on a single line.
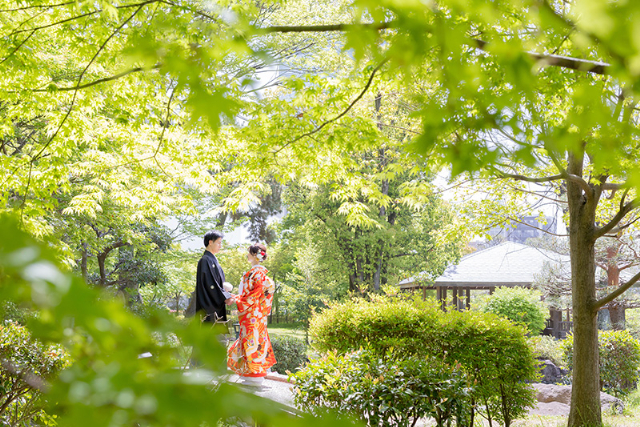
{"points": [[252, 293]]}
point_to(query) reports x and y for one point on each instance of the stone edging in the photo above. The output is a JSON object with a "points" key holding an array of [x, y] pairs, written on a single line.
{"points": [[274, 376]]}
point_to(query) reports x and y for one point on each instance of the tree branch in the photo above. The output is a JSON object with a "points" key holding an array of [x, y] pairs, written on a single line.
{"points": [[38, 6], [530, 179], [18, 47], [95, 82], [615, 294], [536, 228], [578, 64], [617, 218], [339, 116]]}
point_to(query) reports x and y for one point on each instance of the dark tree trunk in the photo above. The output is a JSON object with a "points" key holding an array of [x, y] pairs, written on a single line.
{"points": [[618, 317], [83, 263], [585, 390], [102, 281]]}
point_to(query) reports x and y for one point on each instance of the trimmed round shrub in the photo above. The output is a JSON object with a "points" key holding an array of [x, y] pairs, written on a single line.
{"points": [[619, 360], [385, 391], [290, 352], [492, 351], [379, 325], [520, 305]]}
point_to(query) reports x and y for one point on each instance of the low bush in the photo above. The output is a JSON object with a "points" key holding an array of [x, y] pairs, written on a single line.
{"points": [[619, 361], [385, 391], [388, 323], [290, 352], [520, 305], [11, 311], [492, 351], [26, 367], [547, 348]]}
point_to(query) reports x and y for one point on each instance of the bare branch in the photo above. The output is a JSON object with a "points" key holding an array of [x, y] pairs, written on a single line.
{"points": [[530, 179], [536, 228], [325, 28]]}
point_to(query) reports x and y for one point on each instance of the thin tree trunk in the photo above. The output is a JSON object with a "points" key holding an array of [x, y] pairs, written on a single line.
{"points": [[616, 311], [103, 275], [585, 389], [83, 262]]}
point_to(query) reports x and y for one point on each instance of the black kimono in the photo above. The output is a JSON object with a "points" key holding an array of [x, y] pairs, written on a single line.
{"points": [[210, 295]]}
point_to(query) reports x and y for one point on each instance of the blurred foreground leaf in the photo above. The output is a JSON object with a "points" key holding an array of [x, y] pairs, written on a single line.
{"points": [[125, 369]]}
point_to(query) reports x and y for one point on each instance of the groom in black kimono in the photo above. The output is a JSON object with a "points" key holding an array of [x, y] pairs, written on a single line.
{"points": [[211, 298]]}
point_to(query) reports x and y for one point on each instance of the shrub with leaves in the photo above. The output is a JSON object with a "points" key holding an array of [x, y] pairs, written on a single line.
{"points": [[491, 350], [619, 360], [520, 305], [385, 391], [547, 348], [290, 352], [27, 366]]}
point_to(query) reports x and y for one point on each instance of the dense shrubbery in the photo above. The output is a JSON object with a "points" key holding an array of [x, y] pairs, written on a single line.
{"points": [[492, 351], [290, 353], [548, 348], [520, 305], [619, 360], [11, 311], [26, 367], [385, 391]]}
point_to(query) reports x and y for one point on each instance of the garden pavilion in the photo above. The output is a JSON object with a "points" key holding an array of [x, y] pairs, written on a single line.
{"points": [[507, 264]]}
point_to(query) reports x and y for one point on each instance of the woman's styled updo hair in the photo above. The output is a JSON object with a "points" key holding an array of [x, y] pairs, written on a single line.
{"points": [[259, 251]]}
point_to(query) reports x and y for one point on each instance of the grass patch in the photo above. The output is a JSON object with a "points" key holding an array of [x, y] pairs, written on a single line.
{"points": [[295, 330]]}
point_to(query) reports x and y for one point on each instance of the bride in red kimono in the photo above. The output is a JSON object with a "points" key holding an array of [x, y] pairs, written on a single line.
{"points": [[251, 355]]}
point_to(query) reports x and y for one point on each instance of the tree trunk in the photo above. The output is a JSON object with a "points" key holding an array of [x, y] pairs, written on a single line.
{"points": [[616, 311], [618, 317], [585, 390], [103, 274], [83, 263]]}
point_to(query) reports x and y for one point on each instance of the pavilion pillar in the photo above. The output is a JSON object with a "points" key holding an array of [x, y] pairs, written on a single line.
{"points": [[455, 298], [468, 302]]}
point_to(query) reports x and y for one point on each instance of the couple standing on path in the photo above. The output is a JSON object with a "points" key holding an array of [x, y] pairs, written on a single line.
{"points": [[251, 355]]}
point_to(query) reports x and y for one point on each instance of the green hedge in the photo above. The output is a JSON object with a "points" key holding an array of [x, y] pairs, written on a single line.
{"points": [[290, 353], [385, 391], [492, 351], [520, 305], [619, 360]]}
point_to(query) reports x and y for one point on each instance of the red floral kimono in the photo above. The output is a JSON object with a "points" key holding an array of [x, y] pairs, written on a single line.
{"points": [[251, 354]]}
